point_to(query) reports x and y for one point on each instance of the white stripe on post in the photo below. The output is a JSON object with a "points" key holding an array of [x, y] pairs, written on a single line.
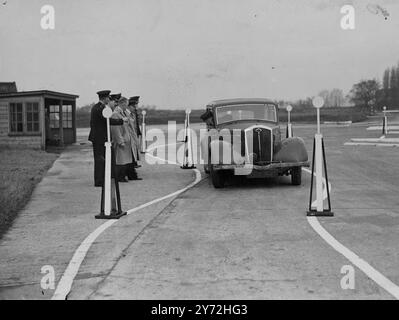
{"points": [[107, 179], [185, 129], [289, 128], [189, 146], [319, 172], [143, 134], [107, 113]]}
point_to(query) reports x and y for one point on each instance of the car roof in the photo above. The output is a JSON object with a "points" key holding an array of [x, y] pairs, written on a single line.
{"points": [[225, 102]]}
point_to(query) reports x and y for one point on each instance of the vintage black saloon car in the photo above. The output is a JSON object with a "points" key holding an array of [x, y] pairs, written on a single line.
{"points": [[244, 138]]}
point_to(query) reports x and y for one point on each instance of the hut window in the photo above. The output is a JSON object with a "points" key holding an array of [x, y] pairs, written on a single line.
{"points": [[32, 117], [67, 116], [24, 118], [54, 117], [16, 117]]}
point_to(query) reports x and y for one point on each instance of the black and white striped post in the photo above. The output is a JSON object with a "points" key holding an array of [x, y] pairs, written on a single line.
{"points": [[289, 133], [319, 158], [110, 197], [185, 129], [188, 162]]}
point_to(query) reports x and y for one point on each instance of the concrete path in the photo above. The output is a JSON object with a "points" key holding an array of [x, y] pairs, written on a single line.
{"points": [[61, 214]]}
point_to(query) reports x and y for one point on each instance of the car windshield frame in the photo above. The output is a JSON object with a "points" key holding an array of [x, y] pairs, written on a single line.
{"points": [[244, 106]]}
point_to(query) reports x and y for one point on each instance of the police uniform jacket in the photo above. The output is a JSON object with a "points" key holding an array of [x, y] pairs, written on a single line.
{"points": [[98, 124], [137, 120]]}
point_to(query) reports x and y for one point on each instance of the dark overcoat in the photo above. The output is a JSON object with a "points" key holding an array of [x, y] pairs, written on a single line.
{"points": [[98, 124], [135, 141]]}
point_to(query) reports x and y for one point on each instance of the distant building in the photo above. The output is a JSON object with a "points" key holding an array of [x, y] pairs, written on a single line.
{"points": [[36, 119], [8, 87]]}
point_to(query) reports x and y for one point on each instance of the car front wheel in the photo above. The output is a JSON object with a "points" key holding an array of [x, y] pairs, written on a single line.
{"points": [[296, 176], [217, 177]]}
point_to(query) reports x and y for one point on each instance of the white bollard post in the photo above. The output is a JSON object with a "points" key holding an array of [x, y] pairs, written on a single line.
{"points": [[319, 172], [188, 161], [385, 122], [289, 126], [107, 113], [318, 103], [189, 145], [143, 134], [185, 129], [111, 207]]}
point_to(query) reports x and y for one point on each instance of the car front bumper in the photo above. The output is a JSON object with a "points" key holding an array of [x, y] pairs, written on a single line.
{"points": [[247, 169]]}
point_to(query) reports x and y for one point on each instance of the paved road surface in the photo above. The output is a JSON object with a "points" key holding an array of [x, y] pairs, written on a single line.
{"points": [[252, 240], [249, 240]]}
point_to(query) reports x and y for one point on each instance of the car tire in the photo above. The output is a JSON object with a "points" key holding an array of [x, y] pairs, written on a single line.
{"points": [[217, 177], [296, 176]]}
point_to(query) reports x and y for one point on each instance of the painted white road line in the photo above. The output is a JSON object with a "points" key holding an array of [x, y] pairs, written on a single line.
{"points": [[65, 284], [339, 123], [381, 139], [371, 272], [374, 128], [367, 269], [371, 144]]}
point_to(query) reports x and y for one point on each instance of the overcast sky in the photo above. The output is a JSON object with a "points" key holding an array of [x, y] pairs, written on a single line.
{"points": [[184, 53]]}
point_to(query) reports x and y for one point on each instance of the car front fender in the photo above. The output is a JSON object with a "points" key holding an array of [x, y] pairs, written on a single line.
{"points": [[291, 150]]}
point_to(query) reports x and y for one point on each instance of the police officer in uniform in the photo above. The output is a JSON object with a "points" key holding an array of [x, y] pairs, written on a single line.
{"points": [[115, 98], [131, 113], [98, 135], [133, 104], [112, 103]]}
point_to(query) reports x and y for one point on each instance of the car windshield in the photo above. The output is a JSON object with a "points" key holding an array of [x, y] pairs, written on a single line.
{"points": [[246, 112]]}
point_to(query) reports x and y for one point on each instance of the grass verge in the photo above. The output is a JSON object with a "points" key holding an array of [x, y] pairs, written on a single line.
{"points": [[20, 171]]}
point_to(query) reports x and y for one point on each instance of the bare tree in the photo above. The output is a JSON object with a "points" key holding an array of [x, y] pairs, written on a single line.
{"points": [[397, 76], [385, 79], [336, 98], [364, 93], [333, 98], [325, 94], [393, 80]]}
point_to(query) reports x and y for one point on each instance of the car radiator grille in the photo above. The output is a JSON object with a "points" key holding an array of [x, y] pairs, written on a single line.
{"points": [[262, 146]]}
